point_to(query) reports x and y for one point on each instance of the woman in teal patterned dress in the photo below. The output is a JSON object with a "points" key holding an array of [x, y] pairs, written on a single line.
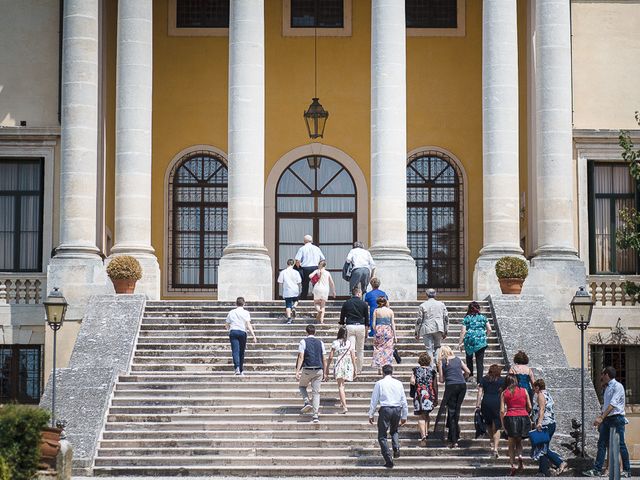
{"points": [[475, 328]]}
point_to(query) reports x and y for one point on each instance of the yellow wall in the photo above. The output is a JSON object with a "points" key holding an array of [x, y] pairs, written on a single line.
{"points": [[444, 92]]}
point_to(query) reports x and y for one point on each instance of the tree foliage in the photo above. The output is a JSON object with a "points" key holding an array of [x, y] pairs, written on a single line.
{"points": [[628, 235]]}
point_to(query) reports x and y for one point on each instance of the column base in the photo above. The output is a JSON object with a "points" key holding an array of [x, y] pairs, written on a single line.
{"points": [[557, 277], [149, 284], [485, 281], [78, 276], [245, 273], [396, 270]]}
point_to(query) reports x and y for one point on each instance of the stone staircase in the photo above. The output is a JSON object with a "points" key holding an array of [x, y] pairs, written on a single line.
{"points": [[180, 410]]}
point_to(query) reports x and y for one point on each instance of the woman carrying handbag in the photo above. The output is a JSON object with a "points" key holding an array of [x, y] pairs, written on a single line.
{"points": [[344, 367]]}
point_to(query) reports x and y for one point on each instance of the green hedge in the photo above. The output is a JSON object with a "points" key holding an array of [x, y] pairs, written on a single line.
{"points": [[20, 433], [5, 473]]}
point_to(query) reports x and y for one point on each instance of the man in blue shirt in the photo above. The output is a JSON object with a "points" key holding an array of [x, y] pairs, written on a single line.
{"points": [[613, 416], [371, 298]]}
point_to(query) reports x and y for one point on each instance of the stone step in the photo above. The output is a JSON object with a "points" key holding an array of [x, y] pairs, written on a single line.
{"points": [[439, 468], [328, 407], [297, 425], [266, 345], [240, 419], [372, 459], [408, 443]]}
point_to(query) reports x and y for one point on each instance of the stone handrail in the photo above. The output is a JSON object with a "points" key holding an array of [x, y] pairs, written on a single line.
{"points": [[606, 290], [22, 288]]}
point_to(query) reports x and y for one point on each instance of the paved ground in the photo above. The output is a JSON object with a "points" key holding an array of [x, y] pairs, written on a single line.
{"points": [[291, 478]]}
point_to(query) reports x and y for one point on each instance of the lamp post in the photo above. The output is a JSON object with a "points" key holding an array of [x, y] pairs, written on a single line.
{"points": [[581, 308], [55, 307]]}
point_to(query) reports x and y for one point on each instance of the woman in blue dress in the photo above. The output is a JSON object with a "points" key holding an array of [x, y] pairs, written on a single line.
{"points": [[475, 328]]}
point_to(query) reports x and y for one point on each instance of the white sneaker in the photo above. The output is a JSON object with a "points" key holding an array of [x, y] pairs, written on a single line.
{"points": [[308, 408], [316, 419], [237, 371]]}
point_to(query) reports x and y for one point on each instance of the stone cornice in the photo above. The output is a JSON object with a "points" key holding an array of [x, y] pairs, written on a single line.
{"points": [[26, 134]]}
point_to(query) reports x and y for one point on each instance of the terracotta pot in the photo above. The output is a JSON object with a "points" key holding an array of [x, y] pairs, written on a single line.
{"points": [[124, 285], [511, 286], [49, 446]]}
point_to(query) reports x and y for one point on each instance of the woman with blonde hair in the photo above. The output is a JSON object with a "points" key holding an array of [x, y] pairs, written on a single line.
{"points": [[344, 367], [453, 373], [322, 288], [385, 337]]}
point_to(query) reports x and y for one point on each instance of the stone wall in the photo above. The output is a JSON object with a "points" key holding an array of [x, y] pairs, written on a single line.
{"points": [[524, 323], [102, 351]]}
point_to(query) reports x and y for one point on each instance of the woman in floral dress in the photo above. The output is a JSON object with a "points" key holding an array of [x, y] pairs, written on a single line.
{"points": [[385, 338], [342, 351], [424, 389]]}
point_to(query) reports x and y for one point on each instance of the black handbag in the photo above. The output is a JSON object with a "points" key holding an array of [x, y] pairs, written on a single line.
{"points": [[346, 271], [396, 356]]}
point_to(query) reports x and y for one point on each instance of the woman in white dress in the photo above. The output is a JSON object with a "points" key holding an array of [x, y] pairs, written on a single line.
{"points": [[342, 351], [322, 289]]}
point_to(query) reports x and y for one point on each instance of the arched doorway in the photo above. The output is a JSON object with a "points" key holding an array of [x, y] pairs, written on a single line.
{"points": [[435, 228], [316, 195]]}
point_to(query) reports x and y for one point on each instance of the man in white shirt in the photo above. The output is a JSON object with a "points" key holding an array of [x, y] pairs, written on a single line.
{"points": [[389, 393], [290, 280], [238, 321], [363, 266], [308, 258], [612, 417]]}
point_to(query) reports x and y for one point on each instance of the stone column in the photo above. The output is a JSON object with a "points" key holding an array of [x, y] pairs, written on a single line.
{"points": [[556, 259], [245, 268], [77, 269], [395, 266], [501, 216], [134, 79]]}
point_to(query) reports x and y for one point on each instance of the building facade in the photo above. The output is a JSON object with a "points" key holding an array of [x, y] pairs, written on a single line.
{"points": [[172, 130]]}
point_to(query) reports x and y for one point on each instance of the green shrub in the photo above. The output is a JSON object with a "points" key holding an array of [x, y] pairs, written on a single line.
{"points": [[5, 473], [124, 267], [512, 267], [20, 433]]}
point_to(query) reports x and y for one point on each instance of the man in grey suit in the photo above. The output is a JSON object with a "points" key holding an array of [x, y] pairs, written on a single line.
{"points": [[432, 324]]}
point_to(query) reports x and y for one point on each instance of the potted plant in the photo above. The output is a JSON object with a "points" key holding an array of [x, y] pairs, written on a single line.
{"points": [[511, 272], [124, 271]]}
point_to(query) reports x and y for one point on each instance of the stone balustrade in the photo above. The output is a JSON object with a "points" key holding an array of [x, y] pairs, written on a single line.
{"points": [[23, 289], [606, 290]]}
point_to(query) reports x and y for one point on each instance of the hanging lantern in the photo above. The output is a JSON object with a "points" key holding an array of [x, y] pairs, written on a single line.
{"points": [[315, 118]]}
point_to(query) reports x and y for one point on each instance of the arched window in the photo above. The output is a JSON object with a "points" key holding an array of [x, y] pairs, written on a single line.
{"points": [[316, 195], [197, 220], [434, 220]]}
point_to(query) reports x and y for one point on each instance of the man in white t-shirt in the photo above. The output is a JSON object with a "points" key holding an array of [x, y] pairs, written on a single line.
{"points": [[290, 280], [308, 258], [238, 321]]}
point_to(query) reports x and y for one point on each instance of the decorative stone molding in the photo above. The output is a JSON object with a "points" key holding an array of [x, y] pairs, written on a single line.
{"points": [[619, 335]]}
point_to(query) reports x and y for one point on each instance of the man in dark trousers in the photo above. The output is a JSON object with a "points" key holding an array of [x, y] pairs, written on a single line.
{"points": [[389, 394], [311, 368], [355, 315]]}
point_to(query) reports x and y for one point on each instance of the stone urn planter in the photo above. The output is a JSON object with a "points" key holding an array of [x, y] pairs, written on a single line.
{"points": [[511, 273], [49, 447], [124, 271]]}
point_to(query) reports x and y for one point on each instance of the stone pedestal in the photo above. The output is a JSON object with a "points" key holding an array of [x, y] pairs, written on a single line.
{"points": [[245, 274], [485, 280], [557, 278], [149, 284], [397, 273]]}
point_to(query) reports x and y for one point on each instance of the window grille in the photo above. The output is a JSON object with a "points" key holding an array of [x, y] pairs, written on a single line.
{"points": [[317, 13], [626, 360], [198, 221], [21, 197], [431, 13], [202, 14], [20, 373], [434, 220], [611, 189]]}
